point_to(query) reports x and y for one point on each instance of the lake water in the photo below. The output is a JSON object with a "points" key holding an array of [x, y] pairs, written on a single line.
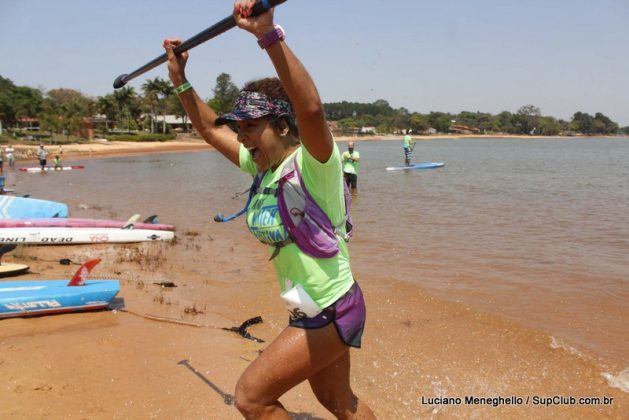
{"points": [[532, 230]]}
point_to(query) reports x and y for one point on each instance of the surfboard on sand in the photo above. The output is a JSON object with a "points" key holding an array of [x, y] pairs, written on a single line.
{"points": [[44, 297], [424, 165], [12, 207], [69, 236], [10, 269], [71, 222]]}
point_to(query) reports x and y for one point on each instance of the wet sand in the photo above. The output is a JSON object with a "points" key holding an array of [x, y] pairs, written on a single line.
{"points": [[416, 349]]}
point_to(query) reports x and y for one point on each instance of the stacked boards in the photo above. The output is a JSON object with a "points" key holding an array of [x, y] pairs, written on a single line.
{"points": [[60, 230]]}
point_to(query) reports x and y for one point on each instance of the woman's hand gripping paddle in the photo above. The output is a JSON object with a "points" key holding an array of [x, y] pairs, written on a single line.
{"points": [[224, 25]]}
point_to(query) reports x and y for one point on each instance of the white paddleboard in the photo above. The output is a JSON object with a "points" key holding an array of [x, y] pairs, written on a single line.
{"points": [[71, 222], [67, 236], [33, 170]]}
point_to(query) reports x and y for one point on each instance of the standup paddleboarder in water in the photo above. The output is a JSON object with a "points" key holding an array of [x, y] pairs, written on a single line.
{"points": [[281, 124], [409, 145], [350, 160]]}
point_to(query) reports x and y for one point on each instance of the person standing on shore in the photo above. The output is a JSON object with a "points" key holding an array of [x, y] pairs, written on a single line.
{"points": [[9, 151], [409, 145], [350, 160], [42, 154], [280, 123]]}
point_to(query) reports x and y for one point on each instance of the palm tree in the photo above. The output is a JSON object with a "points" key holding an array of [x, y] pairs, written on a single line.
{"points": [[155, 93], [166, 90], [151, 97], [106, 105], [127, 104]]}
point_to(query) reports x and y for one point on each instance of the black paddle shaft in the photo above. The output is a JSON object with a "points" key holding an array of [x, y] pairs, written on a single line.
{"points": [[218, 28]]}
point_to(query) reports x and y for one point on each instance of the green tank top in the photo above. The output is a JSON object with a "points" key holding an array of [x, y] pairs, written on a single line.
{"points": [[324, 279]]}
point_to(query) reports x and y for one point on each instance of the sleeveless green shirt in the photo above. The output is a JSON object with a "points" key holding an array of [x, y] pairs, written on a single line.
{"points": [[324, 279]]}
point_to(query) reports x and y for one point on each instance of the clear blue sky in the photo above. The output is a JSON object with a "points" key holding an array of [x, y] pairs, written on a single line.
{"points": [[562, 56]]}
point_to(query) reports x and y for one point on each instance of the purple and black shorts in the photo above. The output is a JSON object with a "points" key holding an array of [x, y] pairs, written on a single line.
{"points": [[348, 314]]}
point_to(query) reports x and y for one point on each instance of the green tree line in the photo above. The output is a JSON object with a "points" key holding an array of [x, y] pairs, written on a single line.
{"points": [[526, 120], [63, 111]]}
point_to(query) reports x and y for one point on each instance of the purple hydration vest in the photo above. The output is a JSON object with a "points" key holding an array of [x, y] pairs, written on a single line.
{"points": [[307, 225]]}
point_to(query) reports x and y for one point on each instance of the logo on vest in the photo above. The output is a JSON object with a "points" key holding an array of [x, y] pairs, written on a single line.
{"points": [[296, 313]]}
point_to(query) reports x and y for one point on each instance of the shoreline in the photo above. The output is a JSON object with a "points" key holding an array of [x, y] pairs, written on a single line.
{"points": [[100, 149], [417, 348]]}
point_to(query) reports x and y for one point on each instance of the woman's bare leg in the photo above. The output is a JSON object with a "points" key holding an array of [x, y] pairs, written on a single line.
{"points": [[332, 388], [295, 355]]}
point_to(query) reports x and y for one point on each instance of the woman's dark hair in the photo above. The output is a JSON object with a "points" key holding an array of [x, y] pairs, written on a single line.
{"points": [[272, 88]]}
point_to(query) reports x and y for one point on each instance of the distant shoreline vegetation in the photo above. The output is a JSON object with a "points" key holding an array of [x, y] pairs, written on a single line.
{"points": [[63, 115]]}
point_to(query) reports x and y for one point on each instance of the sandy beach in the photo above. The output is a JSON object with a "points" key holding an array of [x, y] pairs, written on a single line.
{"points": [[99, 149], [422, 357]]}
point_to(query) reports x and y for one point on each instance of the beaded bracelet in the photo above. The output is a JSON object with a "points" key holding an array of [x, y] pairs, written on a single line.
{"points": [[183, 87], [270, 38]]}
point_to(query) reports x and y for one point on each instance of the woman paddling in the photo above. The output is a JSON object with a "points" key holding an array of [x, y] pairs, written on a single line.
{"points": [[281, 122]]}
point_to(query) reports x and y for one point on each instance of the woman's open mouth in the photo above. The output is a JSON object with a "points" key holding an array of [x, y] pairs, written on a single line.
{"points": [[255, 153]]}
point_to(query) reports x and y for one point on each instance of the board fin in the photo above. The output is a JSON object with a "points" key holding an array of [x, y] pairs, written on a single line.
{"points": [[81, 274], [131, 221], [151, 219], [6, 248]]}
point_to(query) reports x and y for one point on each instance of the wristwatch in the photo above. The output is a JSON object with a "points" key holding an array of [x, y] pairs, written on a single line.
{"points": [[272, 37]]}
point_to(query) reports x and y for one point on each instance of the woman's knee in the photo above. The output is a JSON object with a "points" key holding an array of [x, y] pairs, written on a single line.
{"points": [[244, 397], [249, 400]]}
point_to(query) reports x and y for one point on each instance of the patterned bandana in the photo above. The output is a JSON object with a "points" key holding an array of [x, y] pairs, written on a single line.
{"points": [[250, 105]]}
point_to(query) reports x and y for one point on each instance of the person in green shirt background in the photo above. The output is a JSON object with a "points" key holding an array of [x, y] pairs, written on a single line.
{"points": [[409, 145], [350, 160]]}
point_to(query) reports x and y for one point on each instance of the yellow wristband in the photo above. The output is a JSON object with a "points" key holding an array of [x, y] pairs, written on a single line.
{"points": [[183, 87]]}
